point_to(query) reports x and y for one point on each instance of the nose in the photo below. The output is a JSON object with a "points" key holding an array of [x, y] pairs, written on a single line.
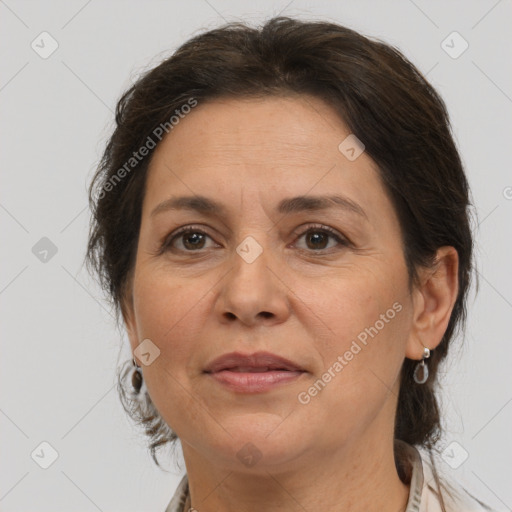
{"points": [[252, 292]]}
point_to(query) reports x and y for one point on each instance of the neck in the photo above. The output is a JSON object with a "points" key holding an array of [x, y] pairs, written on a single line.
{"points": [[359, 476]]}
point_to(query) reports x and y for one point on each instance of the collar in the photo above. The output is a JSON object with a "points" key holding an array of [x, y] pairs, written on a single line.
{"points": [[417, 476]]}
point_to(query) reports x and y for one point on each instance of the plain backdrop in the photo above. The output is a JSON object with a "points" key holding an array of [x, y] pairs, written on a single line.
{"points": [[60, 346]]}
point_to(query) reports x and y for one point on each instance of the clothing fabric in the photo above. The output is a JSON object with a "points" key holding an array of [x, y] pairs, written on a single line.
{"points": [[424, 495]]}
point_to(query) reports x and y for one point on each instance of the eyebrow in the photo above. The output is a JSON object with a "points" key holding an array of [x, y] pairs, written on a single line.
{"points": [[204, 205]]}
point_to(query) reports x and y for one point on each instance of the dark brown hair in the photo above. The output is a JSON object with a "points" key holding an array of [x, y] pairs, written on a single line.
{"points": [[382, 98]]}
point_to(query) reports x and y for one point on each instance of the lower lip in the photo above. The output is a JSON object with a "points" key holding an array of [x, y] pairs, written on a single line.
{"points": [[255, 382]]}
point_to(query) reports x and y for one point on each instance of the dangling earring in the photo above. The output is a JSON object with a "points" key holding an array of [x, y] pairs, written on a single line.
{"points": [[136, 377], [421, 371]]}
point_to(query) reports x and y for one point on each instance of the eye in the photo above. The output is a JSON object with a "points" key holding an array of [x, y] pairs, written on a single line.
{"points": [[187, 239], [191, 239], [317, 238]]}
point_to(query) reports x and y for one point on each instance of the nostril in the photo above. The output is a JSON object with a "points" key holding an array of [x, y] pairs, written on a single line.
{"points": [[231, 316]]}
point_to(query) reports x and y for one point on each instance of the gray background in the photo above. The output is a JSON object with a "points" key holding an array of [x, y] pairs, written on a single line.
{"points": [[60, 346]]}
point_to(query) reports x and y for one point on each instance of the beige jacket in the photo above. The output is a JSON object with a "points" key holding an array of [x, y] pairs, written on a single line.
{"points": [[423, 495]]}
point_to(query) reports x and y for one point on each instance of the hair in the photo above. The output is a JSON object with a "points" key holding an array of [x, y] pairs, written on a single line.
{"points": [[380, 96]]}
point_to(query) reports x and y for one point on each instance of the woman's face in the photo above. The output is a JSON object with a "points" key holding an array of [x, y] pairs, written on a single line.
{"points": [[262, 273]]}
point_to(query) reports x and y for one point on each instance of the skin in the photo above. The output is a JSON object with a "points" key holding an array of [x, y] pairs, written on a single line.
{"points": [[305, 298]]}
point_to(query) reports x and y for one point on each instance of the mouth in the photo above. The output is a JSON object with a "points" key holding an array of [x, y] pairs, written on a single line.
{"points": [[254, 369], [252, 363], [254, 373]]}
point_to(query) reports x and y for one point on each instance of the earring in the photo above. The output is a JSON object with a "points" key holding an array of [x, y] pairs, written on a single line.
{"points": [[421, 371], [136, 377]]}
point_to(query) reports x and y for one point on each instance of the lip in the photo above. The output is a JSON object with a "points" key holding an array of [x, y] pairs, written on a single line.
{"points": [[253, 373], [256, 360]]}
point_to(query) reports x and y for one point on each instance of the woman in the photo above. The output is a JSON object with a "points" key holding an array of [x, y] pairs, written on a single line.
{"points": [[281, 218]]}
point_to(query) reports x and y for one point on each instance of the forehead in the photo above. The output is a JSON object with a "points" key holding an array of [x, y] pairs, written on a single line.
{"points": [[292, 129], [269, 147]]}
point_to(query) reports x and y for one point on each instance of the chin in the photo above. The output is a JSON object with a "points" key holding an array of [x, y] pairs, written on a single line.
{"points": [[257, 442]]}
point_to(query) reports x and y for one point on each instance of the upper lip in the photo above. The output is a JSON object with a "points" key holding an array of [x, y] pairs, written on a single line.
{"points": [[256, 360]]}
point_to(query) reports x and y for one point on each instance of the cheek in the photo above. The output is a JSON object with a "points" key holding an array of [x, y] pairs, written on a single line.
{"points": [[363, 321], [167, 312], [362, 354], [350, 305], [357, 382]]}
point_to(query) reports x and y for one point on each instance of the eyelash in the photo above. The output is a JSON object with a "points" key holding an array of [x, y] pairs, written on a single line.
{"points": [[167, 244]]}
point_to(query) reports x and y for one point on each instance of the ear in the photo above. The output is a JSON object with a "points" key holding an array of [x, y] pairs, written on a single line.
{"points": [[433, 300]]}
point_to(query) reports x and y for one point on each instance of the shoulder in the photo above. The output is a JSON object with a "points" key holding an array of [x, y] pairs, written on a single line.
{"points": [[177, 503], [443, 490]]}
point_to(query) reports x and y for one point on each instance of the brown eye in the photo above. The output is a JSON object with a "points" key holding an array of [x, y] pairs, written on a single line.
{"points": [[187, 240], [193, 240], [318, 239]]}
